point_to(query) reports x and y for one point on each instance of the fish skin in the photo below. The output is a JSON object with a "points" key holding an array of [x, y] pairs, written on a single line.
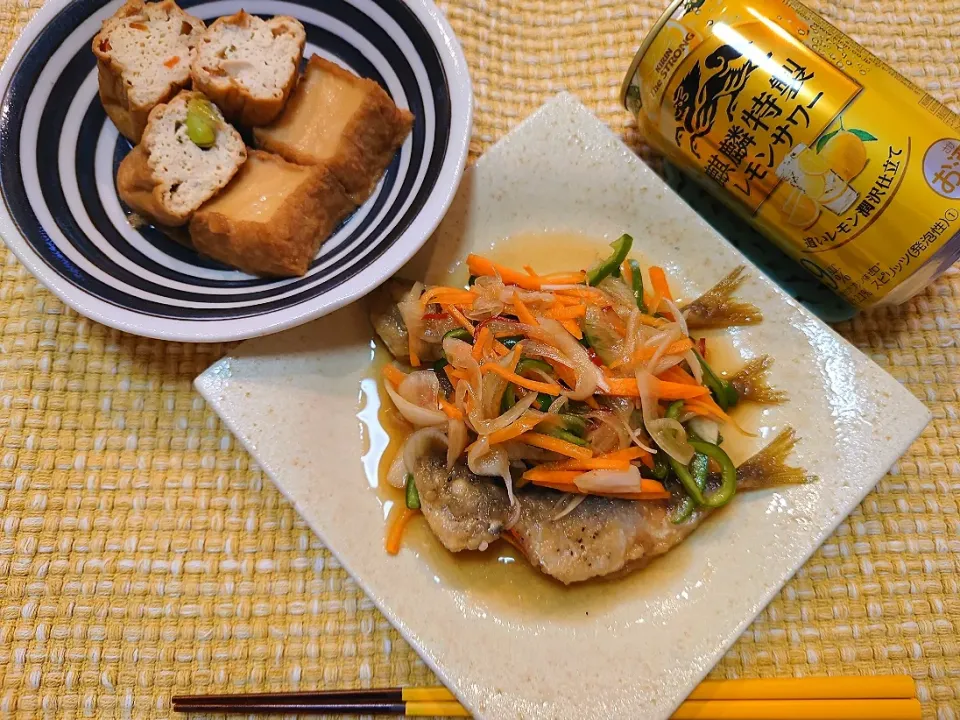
{"points": [[464, 511], [386, 319], [600, 537]]}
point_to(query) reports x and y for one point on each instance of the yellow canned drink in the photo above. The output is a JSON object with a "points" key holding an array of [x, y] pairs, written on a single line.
{"points": [[830, 153]]}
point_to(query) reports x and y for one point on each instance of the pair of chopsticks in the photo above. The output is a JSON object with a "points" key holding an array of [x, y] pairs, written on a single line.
{"points": [[889, 697]]}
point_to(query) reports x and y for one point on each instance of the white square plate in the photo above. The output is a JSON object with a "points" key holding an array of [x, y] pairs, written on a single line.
{"points": [[631, 648]]}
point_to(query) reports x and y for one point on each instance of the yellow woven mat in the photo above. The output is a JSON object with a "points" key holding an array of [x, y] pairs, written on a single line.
{"points": [[143, 554]]}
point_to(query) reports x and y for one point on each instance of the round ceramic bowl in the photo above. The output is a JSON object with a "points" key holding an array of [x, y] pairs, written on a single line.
{"points": [[63, 219]]}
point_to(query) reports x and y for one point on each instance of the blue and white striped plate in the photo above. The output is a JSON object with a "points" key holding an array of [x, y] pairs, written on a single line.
{"points": [[63, 219]]}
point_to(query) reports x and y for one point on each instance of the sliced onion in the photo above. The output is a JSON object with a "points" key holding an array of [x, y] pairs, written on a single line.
{"points": [[457, 439], [397, 473], [677, 315], [691, 357], [536, 348], [486, 427], [415, 414], [669, 435], [494, 462], [573, 502], [419, 444], [706, 428], [412, 313], [666, 363], [488, 303], [618, 290], [589, 377], [558, 404], [421, 387], [610, 481], [670, 334], [633, 325], [612, 424]]}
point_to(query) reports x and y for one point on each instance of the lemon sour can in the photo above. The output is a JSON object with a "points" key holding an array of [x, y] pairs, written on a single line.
{"points": [[826, 150]]}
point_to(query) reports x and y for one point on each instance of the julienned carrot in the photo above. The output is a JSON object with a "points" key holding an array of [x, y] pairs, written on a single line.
{"points": [[555, 477], [645, 353], [571, 327], [450, 410], [499, 348], [571, 488], [564, 300], [523, 382], [548, 475], [567, 313], [394, 374], [399, 524], [530, 271], [594, 463], [678, 375], [546, 442], [576, 277], [658, 279], [708, 406], [591, 402], [480, 343], [523, 312], [524, 423], [447, 296], [515, 357], [611, 316], [650, 320], [454, 375], [482, 266], [588, 294], [459, 317], [627, 387]]}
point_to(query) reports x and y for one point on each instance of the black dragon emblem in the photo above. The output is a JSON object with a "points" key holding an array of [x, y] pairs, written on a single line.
{"points": [[697, 98]]}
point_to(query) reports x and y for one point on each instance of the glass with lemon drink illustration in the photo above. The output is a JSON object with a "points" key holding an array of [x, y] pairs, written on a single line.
{"points": [[826, 150]]}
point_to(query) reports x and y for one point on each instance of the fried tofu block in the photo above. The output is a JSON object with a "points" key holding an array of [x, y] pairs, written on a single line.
{"points": [[343, 121], [272, 218]]}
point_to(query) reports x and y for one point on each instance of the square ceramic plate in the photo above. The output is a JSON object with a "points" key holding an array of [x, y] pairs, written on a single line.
{"points": [[628, 648]]}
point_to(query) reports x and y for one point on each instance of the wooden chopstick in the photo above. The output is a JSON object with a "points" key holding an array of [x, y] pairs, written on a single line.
{"points": [[845, 698]]}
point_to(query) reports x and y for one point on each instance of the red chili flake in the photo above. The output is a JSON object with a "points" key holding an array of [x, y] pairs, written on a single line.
{"points": [[702, 342], [436, 316], [594, 358]]}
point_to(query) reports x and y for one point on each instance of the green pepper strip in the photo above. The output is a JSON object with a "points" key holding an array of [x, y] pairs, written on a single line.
{"points": [[723, 392], [728, 474], [564, 435], [509, 342], [413, 497], [694, 489], [611, 266], [637, 285], [699, 468], [509, 398], [661, 468], [459, 334]]}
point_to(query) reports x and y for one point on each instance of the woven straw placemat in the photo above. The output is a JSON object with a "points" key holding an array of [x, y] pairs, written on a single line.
{"points": [[143, 554]]}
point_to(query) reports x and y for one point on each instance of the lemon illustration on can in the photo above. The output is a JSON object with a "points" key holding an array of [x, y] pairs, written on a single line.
{"points": [[800, 209], [844, 151]]}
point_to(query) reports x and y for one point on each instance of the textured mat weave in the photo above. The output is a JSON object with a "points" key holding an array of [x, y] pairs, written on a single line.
{"points": [[143, 554]]}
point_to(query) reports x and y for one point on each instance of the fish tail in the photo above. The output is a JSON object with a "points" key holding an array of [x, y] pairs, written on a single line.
{"points": [[768, 468], [752, 383], [717, 308]]}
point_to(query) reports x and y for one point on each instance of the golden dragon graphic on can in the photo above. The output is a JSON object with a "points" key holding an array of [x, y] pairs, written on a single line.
{"points": [[829, 152]]}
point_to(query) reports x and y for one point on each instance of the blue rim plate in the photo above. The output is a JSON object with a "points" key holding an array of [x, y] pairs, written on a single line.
{"points": [[62, 217]]}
